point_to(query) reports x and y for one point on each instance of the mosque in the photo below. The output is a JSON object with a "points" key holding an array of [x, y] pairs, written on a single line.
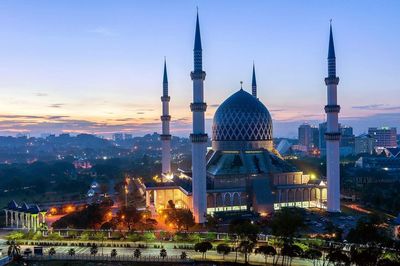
{"points": [[241, 171]]}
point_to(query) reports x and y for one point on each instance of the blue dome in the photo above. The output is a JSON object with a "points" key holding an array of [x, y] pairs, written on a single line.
{"points": [[242, 117]]}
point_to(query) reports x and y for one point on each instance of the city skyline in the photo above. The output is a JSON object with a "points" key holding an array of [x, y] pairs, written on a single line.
{"points": [[84, 70]]}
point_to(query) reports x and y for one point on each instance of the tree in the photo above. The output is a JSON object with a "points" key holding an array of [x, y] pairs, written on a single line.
{"points": [[14, 250], [113, 253], [291, 251], [183, 255], [266, 251], [203, 247], [336, 256], [180, 218], [213, 222], [286, 222], [246, 247], [245, 230], [312, 254], [52, 252], [223, 249], [71, 252], [163, 253], [137, 253], [129, 216], [94, 249], [365, 257], [367, 230]]}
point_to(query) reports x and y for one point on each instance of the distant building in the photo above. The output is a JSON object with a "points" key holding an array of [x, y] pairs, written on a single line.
{"points": [[118, 137], [283, 146], [364, 144], [392, 152], [308, 136], [322, 131], [385, 137], [305, 135], [347, 139], [378, 162], [346, 144], [128, 136], [315, 136]]}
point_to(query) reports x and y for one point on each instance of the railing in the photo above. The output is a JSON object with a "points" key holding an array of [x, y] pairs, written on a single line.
{"points": [[5, 260], [88, 257]]}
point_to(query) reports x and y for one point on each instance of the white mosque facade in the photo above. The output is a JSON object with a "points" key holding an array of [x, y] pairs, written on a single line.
{"points": [[241, 171]]}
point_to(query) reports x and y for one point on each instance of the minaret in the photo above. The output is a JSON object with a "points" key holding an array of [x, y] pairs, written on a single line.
{"points": [[254, 83], [332, 135], [165, 119], [198, 137]]}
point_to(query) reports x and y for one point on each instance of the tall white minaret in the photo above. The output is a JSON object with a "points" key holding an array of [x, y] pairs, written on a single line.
{"points": [[254, 83], [165, 119], [332, 135], [198, 137]]}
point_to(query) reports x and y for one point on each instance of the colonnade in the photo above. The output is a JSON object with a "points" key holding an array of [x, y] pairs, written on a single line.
{"points": [[303, 195], [24, 220]]}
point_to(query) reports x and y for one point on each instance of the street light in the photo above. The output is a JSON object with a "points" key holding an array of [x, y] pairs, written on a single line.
{"points": [[126, 196]]}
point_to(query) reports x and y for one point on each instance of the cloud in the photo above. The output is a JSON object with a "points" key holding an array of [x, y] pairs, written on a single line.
{"points": [[214, 105], [102, 31], [56, 105], [377, 107], [144, 109], [140, 113], [41, 94]]}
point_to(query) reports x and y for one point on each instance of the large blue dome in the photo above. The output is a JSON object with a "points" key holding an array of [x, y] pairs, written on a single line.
{"points": [[242, 117]]}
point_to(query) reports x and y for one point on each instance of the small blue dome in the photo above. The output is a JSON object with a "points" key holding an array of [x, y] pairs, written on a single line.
{"points": [[242, 117]]}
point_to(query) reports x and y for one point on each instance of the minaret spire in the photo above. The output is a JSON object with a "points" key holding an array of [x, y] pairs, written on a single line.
{"points": [[331, 54], [165, 79], [254, 83], [198, 137], [165, 119], [332, 135], [198, 56]]}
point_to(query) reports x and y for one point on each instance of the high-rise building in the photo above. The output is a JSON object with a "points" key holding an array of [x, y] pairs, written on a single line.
{"points": [[315, 136], [305, 135], [332, 135], [364, 144], [321, 135], [308, 136], [385, 137], [346, 140]]}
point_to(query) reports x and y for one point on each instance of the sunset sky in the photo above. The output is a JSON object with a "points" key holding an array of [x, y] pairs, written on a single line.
{"points": [[96, 66]]}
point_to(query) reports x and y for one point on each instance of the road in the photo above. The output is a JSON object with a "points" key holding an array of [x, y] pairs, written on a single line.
{"points": [[211, 255]]}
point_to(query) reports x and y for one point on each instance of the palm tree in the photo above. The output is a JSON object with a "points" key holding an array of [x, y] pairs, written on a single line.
{"points": [[71, 252], [113, 253], [246, 247], [183, 255], [94, 249], [163, 253], [137, 253], [52, 252], [14, 250]]}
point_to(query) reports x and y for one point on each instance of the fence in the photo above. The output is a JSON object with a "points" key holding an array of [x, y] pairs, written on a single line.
{"points": [[119, 258]]}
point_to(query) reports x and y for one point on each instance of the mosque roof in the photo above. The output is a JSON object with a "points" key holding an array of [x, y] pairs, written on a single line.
{"points": [[242, 117]]}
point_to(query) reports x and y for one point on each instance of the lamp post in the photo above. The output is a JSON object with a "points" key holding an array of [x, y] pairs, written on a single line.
{"points": [[126, 196]]}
